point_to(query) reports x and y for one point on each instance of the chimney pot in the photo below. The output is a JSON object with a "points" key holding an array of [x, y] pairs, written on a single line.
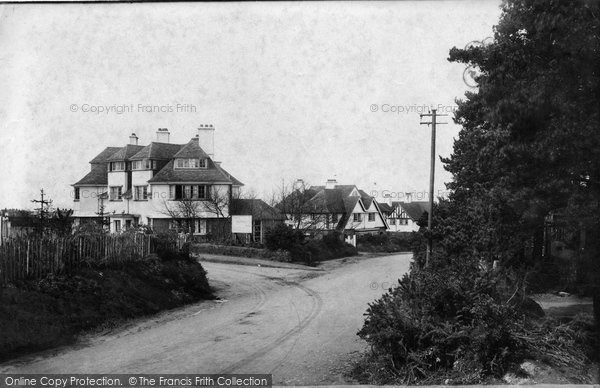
{"points": [[133, 139], [206, 139], [330, 184], [162, 135]]}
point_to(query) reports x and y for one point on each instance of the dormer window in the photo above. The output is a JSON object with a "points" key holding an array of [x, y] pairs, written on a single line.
{"points": [[116, 166], [190, 163], [144, 164]]}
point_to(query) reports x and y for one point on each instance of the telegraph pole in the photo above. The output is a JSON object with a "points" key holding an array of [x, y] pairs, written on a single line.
{"points": [[433, 123]]}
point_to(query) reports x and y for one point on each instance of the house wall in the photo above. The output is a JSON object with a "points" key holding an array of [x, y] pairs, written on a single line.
{"points": [[160, 206], [140, 177], [88, 204], [117, 178], [410, 227], [307, 222], [365, 223]]}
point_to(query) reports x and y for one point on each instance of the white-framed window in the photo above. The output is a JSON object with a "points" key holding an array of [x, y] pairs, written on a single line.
{"points": [[357, 217], [116, 193], [371, 217], [202, 163], [141, 193], [188, 191], [76, 194], [392, 221], [187, 163], [117, 166]]}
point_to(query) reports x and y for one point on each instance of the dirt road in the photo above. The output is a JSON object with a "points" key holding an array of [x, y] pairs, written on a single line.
{"points": [[298, 325]]}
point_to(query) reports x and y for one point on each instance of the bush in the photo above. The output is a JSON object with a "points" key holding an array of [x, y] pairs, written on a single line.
{"points": [[283, 237], [331, 246], [460, 323], [309, 251], [446, 320], [165, 245], [386, 242]]}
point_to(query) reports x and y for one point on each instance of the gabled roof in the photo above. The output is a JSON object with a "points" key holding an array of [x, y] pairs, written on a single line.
{"points": [[104, 155], [257, 208], [191, 150], [366, 198], [125, 153], [335, 200], [413, 209], [157, 150], [98, 176], [384, 207]]}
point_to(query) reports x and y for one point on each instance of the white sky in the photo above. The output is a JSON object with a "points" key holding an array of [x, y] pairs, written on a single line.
{"points": [[288, 87]]}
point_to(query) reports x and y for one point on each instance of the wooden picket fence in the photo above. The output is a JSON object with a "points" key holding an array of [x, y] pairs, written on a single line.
{"points": [[37, 257]]}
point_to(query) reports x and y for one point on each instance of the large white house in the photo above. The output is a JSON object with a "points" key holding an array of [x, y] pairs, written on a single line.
{"points": [[161, 184]]}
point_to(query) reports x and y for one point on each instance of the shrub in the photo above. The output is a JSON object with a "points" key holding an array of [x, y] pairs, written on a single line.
{"points": [[283, 237], [462, 323], [445, 320], [386, 242], [165, 245]]}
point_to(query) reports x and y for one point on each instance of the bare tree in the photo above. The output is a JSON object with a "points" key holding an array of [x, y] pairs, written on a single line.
{"points": [[184, 210], [294, 201]]}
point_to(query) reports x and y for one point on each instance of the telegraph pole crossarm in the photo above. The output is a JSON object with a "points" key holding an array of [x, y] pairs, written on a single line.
{"points": [[433, 124]]}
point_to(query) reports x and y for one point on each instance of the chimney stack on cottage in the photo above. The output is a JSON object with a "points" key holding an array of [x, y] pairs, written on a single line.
{"points": [[330, 184], [298, 184], [133, 139], [206, 139], [162, 135]]}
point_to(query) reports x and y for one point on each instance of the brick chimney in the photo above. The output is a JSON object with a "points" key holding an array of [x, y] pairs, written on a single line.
{"points": [[206, 139], [133, 139], [330, 184], [162, 135]]}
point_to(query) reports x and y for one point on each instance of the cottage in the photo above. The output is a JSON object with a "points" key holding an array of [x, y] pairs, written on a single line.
{"points": [[403, 216], [344, 208]]}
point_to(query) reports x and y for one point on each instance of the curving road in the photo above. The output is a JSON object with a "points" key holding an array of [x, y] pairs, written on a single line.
{"points": [[297, 324]]}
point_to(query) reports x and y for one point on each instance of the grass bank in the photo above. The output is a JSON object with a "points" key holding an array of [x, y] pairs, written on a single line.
{"points": [[43, 313]]}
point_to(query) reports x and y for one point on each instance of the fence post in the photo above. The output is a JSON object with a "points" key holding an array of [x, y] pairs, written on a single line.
{"points": [[27, 259]]}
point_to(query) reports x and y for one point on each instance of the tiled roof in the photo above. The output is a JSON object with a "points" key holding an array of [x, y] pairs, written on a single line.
{"points": [[211, 174], [385, 208], [191, 150], [157, 150], [233, 179], [257, 208], [336, 200], [104, 155], [367, 199], [97, 177], [125, 153], [414, 209]]}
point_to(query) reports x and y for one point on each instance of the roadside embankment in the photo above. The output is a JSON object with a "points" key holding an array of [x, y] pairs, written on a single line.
{"points": [[38, 314]]}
